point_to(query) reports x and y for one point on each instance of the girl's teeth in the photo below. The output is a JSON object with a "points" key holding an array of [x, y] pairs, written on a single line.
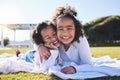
{"points": [[55, 42], [65, 37]]}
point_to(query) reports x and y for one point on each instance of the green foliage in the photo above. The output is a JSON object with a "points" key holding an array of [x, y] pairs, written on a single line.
{"points": [[92, 23], [6, 41], [103, 30]]}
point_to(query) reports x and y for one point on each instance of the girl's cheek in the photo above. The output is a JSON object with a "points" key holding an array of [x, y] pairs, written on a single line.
{"points": [[58, 35]]}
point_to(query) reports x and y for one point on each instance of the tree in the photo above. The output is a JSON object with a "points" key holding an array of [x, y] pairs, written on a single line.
{"points": [[103, 30], [6, 41]]}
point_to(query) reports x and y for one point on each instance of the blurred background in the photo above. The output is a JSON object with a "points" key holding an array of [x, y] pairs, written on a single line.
{"points": [[100, 20]]}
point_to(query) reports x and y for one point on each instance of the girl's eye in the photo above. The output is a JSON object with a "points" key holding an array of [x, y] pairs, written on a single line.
{"points": [[54, 34], [47, 38], [59, 29], [69, 28]]}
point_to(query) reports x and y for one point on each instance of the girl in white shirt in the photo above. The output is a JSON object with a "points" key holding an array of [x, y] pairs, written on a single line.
{"points": [[74, 47], [45, 33]]}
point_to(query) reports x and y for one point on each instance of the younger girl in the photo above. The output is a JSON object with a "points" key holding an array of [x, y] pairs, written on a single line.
{"points": [[45, 34]]}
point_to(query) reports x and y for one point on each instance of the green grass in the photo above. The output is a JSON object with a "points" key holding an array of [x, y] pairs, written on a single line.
{"points": [[113, 52], [12, 50], [27, 76]]}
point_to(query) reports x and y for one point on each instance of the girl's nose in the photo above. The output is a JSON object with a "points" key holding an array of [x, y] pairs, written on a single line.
{"points": [[65, 32]]}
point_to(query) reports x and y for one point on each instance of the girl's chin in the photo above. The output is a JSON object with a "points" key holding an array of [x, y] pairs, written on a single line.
{"points": [[66, 41]]}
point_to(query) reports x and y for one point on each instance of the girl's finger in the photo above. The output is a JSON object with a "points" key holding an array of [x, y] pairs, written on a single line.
{"points": [[53, 46], [41, 59], [47, 45], [47, 54]]}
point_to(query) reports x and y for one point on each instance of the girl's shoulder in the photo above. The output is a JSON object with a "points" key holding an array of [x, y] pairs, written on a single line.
{"points": [[82, 38]]}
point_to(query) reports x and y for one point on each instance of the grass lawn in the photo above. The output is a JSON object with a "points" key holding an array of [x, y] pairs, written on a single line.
{"points": [[113, 52]]}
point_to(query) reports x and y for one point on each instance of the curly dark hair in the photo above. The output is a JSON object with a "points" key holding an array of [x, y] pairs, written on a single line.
{"points": [[36, 34], [68, 12]]}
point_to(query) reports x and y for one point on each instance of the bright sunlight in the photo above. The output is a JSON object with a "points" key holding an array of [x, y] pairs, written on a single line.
{"points": [[9, 15]]}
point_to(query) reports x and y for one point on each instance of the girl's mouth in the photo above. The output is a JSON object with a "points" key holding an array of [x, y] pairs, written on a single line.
{"points": [[65, 38]]}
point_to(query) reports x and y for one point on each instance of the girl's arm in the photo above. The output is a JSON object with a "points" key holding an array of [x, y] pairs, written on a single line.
{"points": [[43, 52], [84, 53], [84, 56]]}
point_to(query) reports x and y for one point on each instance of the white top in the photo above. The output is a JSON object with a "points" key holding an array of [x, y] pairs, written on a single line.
{"points": [[78, 52], [46, 64]]}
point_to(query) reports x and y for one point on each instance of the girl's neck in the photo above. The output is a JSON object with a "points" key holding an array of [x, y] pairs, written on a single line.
{"points": [[66, 47]]}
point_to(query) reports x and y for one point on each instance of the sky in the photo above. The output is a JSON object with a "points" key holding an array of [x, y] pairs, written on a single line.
{"points": [[34, 11]]}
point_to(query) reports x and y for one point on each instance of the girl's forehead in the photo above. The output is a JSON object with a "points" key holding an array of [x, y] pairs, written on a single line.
{"points": [[62, 21], [47, 29], [64, 18]]}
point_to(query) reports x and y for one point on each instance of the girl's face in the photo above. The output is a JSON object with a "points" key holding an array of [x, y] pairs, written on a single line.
{"points": [[49, 36], [65, 30]]}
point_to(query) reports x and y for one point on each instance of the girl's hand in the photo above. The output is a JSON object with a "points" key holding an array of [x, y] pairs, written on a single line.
{"points": [[68, 70], [43, 52], [51, 46]]}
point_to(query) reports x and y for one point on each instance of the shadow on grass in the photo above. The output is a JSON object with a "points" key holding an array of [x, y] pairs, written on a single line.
{"points": [[32, 76], [53, 77], [106, 78]]}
